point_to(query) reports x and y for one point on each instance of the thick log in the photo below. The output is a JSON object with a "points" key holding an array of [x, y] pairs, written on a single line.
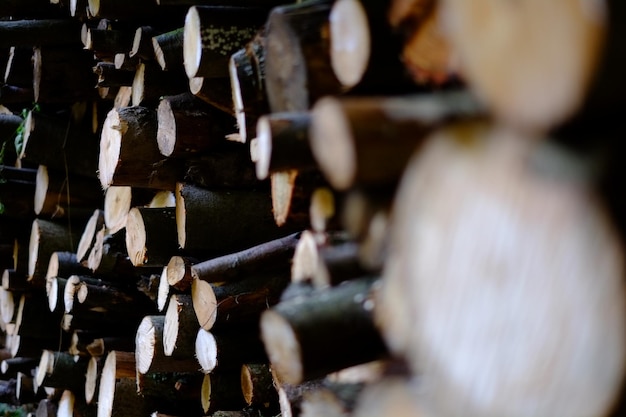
{"points": [[27, 346], [149, 351], [105, 41], [274, 255], [142, 43], [297, 58], [109, 259], [118, 201], [88, 238], [229, 350], [203, 219], [40, 32], [214, 91], [257, 387], [236, 302], [46, 138], [229, 166], [151, 83], [110, 76], [151, 236], [14, 281], [119, 398], [62, 75], [109, 299], [46, 238], [180, 327], [373, 138], [589, 84], [332, 329], [58, 195], [65, 264], [364, 50], [173, 392], [187, 125], [221, 391], [247, 79], [129, 154], [291, 196], [283, 143], [178, 273], [60, 370], [168, 50], [213, 34], [498, 218]]}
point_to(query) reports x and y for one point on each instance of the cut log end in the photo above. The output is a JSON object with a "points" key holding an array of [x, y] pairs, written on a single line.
{"points": [[46, 366], [33, 249], [282, 346], [192, 46], [106, 392], [204, 303], [91, 380], [52, 287], [71, 286], [322, 208], [138, 86], [136, 237], [180, 216], [41, 188], [158, 54], [166, 131], [94, 10], [305, 258], [144, 342], [117, 201], [349, 41], [163, 291], [263, 147], [238, 105], [110, 147], [88, 236], [332, 143], [283, 184], [206, 351], [170, 328]]}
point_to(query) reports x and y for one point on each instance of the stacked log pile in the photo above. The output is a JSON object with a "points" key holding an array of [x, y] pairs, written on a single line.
{"points": [[318, 208]]}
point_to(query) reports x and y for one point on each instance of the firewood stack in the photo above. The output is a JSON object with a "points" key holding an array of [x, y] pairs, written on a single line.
{"points": [[317, 208]]}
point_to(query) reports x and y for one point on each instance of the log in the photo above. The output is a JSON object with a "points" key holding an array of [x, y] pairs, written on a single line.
{"points": [[174, 392], [518, 205], [25, 391], [118, 201], [12, 366], [163, 291], [42, 32], [283, 143], [109, 259], [237, 302], [88, 238], [213, 34], [58, 195], [92, 378], [187, 125], [62, 75], [227, 167], [361, 206], [179, 272], [46, 238], [8, 306], [297, 58], [151, 83], [105, 41], [247, 79], [46, 138], [274, 255], [394, 395], [55, 289], [258, 388], [61, 370], [359, 154], [537, 67], [323, 212], [221, 391], [168, 50], [291, 196], [202, 219], [306, 338], [125, 63], [102, 345], [149, 351], [74, 405], [47, 408], [14, 281], [151, 236], [215, 91], [119, 398], [78, 8], [27, 346], [129, 154], [116, 9], [112, 300], [142, 43], [227, 351], [110, 76], [180, 327], [364, 50]]}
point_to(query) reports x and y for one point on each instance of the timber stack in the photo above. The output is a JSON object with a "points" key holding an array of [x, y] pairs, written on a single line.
{"points": [[323, 208]]}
